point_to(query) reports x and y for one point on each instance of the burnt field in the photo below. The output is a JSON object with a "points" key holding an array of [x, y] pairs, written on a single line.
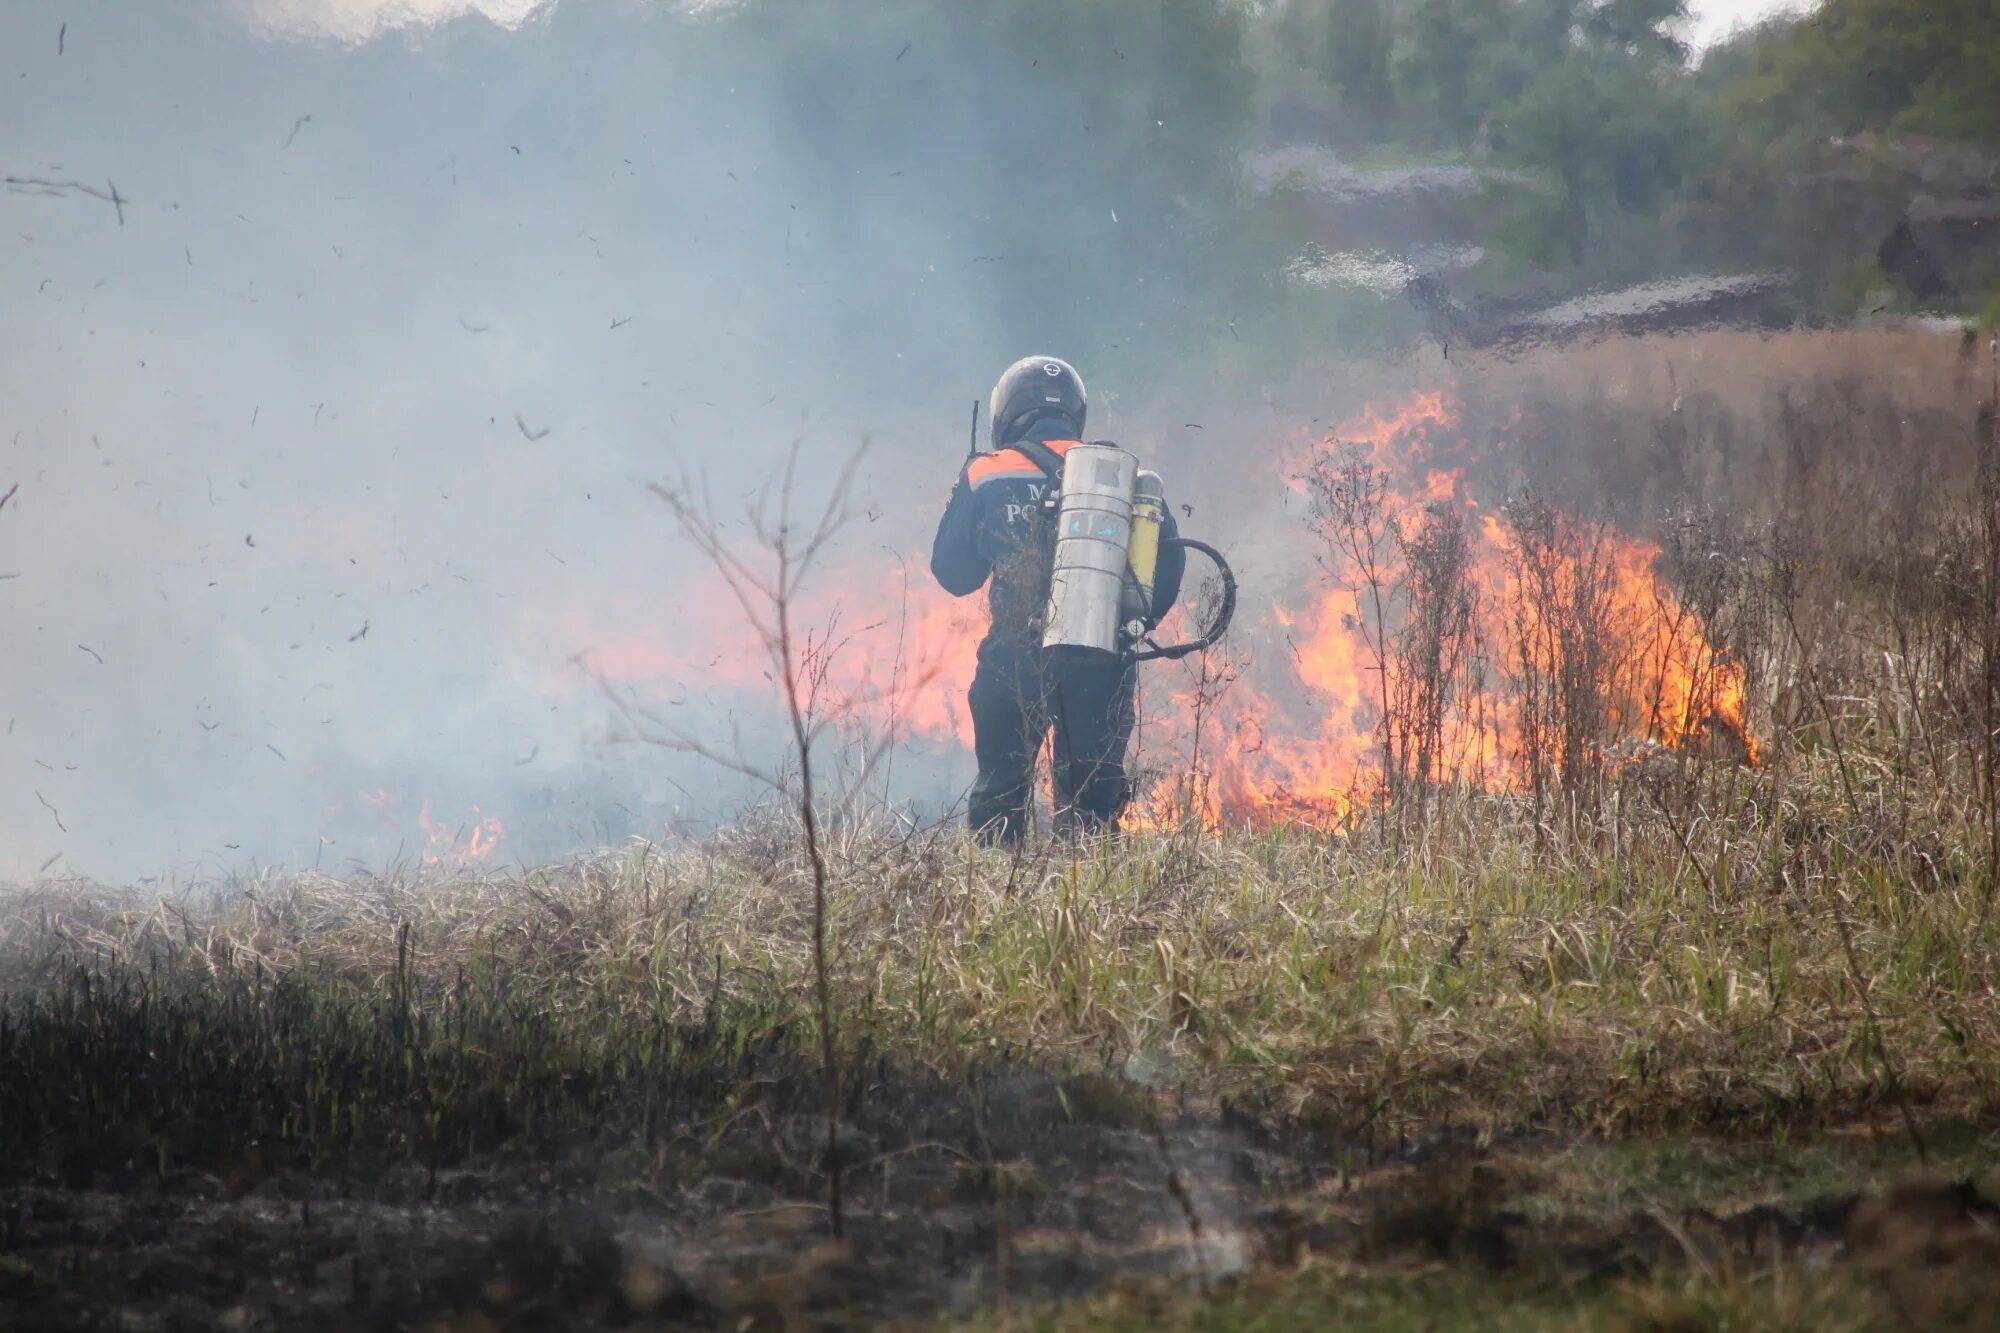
{"points": [[1657, 1070], [1573, 998]]}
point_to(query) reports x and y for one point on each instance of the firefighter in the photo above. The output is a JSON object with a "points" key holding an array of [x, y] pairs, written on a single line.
{"points": [[998, 530]]}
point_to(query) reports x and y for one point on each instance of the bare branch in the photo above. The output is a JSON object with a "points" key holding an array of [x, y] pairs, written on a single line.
{"points": [[765, 577]]}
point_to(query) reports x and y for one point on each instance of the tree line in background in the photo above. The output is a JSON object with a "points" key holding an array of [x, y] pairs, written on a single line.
{"points": [[1798, 143], [1094, 153]]}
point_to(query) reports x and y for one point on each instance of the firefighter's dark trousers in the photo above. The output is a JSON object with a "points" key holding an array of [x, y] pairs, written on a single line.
{"points": [[1019, 693]]}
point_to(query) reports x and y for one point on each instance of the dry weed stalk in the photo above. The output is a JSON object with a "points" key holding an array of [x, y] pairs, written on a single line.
{"points": [[1787, 596], [1436, 669], [1564, 649], [1349, 513], [1988, 529], [765, 580], [1416, 609], [1186, 801]]}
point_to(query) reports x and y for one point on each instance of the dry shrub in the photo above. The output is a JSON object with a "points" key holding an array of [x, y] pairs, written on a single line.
{"points": [[1827, 505], [1560, 607], [1630, 428]]}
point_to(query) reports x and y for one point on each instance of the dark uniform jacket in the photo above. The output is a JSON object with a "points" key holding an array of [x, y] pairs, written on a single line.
{"points": [[996, 527]]}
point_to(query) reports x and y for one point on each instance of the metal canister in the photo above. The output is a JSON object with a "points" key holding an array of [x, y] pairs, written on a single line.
{"points": [[1093, 537], [1149, 511]]}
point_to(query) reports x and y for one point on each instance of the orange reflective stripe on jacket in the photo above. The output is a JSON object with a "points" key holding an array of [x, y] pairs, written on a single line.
{"points": [[1011, 463]]}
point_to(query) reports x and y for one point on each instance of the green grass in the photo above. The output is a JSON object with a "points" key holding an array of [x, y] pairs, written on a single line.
{"points": [[1443, 1301]]}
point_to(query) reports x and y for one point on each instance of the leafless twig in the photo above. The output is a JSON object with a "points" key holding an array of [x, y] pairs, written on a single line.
{"points": [[42, 185], [766, 579], [53, 811]]}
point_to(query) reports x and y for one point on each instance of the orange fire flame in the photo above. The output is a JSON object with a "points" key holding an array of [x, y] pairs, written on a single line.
{"points": [[1299, 737], [472, 839], [1285, 724], [460, 844]]}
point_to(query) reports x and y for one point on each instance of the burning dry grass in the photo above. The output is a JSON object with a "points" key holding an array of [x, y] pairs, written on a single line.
{"points": [[1494, 574]]}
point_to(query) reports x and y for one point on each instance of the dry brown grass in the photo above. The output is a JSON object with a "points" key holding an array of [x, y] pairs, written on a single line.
{"points": [[1672, 962]]}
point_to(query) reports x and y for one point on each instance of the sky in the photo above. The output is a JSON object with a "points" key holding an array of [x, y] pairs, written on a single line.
{"points": [[1715, 19], [359, 19]]}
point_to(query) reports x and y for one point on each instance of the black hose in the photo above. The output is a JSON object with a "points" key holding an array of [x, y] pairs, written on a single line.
{"points": [[1218, 627]]}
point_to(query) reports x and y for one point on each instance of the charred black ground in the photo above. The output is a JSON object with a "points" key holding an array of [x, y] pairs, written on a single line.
{"points": [[1174, 1079]]}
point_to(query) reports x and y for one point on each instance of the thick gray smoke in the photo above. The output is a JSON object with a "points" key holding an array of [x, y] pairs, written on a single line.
{"points": [[339, 340], [331, 418]]}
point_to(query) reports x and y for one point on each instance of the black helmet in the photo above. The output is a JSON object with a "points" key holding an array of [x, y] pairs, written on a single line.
{"points": [[1035, 388]]}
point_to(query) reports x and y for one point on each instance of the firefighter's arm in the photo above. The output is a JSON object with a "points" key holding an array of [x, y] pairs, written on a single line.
{"points": [[1170, 569], [955, 559]]}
